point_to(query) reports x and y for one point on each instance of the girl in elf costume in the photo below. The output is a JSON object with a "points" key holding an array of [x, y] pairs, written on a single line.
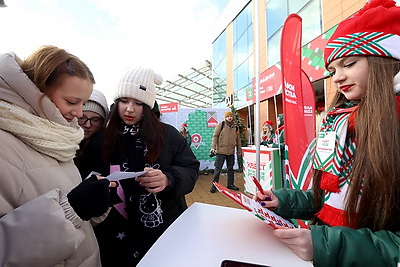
{"points": [[185, 133], [355, 200], [267, 134]]}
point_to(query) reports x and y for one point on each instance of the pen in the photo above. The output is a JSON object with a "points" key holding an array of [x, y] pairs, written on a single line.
{"points": [[259, 187]]}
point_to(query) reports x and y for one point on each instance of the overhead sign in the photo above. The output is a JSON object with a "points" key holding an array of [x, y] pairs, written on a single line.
{"points": [[270, 83], [169, 107]]}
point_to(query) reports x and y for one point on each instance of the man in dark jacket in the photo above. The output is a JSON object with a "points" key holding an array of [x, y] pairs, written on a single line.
{"points": [[225, 139]]}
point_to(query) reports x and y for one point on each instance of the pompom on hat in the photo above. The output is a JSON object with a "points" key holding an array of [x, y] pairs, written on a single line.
{"points": [[140, 84], [373, 31]]}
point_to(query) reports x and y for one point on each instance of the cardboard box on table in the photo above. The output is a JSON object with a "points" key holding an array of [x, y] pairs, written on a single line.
{"points": [[270, 168]]}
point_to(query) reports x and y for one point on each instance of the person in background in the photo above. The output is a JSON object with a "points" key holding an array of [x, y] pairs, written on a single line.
{"points": [[156, 109], [44, 205], [225, 140], [185, 133], [354, 203], [267, 134], [279, 142], [95, 114], [135, 140]]}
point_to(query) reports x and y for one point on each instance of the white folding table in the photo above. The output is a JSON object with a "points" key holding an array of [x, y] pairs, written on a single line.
{"points": [[205, 235]]}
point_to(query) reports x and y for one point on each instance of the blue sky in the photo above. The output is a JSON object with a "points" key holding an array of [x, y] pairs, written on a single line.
{"points": [[110, 36]]}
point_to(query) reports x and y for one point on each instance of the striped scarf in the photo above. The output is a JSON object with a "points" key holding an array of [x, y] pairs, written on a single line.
{"points": [[334, 156]]}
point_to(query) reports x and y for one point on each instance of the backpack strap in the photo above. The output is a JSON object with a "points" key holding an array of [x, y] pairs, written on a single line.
{"points": [[223, 124]]}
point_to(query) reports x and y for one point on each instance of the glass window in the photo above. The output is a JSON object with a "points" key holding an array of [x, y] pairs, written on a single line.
{"points": [[251, 67], [241, 76], [250, 41], [277, 12], [240, 25], [219, 71], [219, 48], [243, 53], [296, 5], [311, 23], [241, 50], [308, 10], [273, 49], [240, 98], [219, 88]]}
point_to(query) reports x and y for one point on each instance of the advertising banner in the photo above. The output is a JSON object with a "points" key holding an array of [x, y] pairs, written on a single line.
{"points": [[298, 106], [169, 107], [201, 123], [270, 84]]}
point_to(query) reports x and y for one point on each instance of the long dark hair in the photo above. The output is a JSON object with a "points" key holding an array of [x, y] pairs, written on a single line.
{"points": [[151, 131], [376, 165]]}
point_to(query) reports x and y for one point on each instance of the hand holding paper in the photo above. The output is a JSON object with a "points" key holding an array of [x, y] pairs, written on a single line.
{"points": [[153, 180], [299, 240], [254, 207]]}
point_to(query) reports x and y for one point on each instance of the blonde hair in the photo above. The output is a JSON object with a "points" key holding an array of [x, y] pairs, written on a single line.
{"points": [[48, 63]]}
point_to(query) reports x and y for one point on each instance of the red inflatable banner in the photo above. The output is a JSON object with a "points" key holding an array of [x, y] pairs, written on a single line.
{"points": [[298, 106]]}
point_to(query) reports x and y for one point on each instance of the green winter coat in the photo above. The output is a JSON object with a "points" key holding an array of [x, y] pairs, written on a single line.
{"points": [[340, 246]]}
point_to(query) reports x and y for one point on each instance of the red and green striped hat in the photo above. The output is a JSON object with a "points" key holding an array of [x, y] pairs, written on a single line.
{"points": [[372, 31]]}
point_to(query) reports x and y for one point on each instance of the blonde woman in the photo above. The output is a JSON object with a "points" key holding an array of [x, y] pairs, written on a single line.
{"points": [[43, 208]]}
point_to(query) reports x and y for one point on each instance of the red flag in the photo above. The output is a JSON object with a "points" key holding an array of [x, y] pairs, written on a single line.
{"points": [[298, 106]]}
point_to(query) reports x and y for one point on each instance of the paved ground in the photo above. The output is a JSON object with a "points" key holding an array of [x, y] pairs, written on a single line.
{"points": [[201, 192]]}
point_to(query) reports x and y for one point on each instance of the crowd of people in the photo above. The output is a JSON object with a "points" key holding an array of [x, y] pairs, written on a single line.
{"points": [[60, 140], [52, 118]]}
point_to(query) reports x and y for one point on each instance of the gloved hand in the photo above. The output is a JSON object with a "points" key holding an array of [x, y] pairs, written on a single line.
{"points": [[91, 198], [114, 198]]}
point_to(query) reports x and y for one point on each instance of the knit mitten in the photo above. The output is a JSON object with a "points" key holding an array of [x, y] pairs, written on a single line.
{"points": [[91, 198]]}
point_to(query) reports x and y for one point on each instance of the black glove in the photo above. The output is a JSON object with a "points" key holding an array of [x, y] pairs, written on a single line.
{"points": [[91, 198], [114, 198]]}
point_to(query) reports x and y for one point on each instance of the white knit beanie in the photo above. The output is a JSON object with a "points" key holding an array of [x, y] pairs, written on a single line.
{"points": [[140, 84], [97, 103]]}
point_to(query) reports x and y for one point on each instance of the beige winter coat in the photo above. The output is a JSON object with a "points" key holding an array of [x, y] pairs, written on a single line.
{"points": [[226, 140], [38, 227]]}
